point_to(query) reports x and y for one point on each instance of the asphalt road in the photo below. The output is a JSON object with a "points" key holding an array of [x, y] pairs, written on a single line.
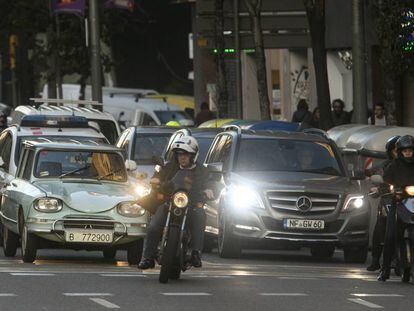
{"points": [[69, 280]]}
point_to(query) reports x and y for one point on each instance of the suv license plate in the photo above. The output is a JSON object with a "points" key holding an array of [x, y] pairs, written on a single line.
{"points": [[89, 236], [304, 224]]}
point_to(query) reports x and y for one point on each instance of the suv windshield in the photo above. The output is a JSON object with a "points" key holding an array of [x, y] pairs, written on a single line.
{"points": [[287, 155], [147, 146], [171, 115], [80, 164]]}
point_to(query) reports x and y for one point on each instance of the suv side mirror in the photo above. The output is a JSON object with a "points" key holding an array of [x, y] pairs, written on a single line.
{"points": [[358, 175], [377, 179], [130, 165], [215, 167]]}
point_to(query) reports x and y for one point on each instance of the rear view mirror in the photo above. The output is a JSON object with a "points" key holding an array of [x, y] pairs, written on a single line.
{"points": [[215, 167], [377, 179], [130, 165]]}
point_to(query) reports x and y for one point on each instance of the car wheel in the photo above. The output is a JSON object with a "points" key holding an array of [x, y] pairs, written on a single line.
{"points": [[10, 242], [109, 254], [134, 252], [228, 245], [356, 254], [322, 251], [29, 246]]}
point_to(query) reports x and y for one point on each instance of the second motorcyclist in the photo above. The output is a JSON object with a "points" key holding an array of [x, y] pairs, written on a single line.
{"points": [[399, 173], [185, 158]]}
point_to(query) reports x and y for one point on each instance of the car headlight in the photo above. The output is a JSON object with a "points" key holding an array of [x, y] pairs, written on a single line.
{"points": [[354, 202], [143, 190], [180, 199], [244, 197], [409, 190], [130, 209], [48, 205]]}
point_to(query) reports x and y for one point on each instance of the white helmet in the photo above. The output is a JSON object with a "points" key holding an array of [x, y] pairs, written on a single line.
{"points": [[188, 144]]}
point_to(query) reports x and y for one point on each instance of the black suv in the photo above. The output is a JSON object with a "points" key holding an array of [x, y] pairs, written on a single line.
{"points": [[285, 190]]}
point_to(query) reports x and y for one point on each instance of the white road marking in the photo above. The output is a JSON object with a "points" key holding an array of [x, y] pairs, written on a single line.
{"points": [[105, 303], [7, 295], [377, 295], [123, 275], [365, 303], [213, 276], [297, 278], [284, 294], [31, 274], [186, 294], [86, 294]]}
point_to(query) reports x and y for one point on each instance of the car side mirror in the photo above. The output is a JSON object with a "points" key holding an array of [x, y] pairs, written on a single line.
{"points": [[158, 161], [377, 179], [215, 167], [358, 175], [130, 165]]}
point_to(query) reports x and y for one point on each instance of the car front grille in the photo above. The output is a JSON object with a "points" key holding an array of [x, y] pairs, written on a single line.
{"points": [[97, 223], [285, 201]]}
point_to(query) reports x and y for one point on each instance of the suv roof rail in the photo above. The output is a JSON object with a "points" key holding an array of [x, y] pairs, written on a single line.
{"points": [[233, 128], [316, 131], [62, 102]]}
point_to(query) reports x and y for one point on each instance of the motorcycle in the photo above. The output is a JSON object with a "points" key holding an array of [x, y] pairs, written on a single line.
{"points": [[404, 197]]}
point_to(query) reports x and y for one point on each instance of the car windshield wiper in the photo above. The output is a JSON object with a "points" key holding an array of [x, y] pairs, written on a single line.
{"points": [[323, 170], [109, 174], [75, 171]]}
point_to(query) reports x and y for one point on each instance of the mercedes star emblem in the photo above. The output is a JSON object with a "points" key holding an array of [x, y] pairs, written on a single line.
{"points": [[304, 204]]}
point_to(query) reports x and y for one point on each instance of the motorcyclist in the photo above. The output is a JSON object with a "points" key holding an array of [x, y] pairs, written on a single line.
{"points": [[380, 226], [185, 158], [399, 174]]}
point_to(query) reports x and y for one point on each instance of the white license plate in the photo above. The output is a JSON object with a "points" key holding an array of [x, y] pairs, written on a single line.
{"points": [[304, 224], [89, 236]]}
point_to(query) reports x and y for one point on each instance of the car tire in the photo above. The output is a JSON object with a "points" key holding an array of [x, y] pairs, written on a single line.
{"points": [[109, 254], [322, 251], [10, 242], [228, 245], [134, 252], [29, 246], [355, 254]]}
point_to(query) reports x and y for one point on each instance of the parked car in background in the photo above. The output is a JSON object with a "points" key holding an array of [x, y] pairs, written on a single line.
{"points": [[71, 194], [285, 189]]}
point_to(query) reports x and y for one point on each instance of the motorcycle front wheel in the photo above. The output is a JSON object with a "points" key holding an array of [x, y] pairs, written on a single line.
{"points": [[169, 255]]}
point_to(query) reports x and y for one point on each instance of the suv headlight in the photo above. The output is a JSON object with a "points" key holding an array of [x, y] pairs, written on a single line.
{"points": [[48, 205], [244, 197], [130, 209], [354, 202], [143, 190], [180, 199]]}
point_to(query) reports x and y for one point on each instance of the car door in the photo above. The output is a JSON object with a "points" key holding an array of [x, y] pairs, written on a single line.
{"points": [[6, 143]]}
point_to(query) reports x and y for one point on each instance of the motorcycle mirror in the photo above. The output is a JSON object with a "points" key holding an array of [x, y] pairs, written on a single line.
{"points": [[377, 179]]}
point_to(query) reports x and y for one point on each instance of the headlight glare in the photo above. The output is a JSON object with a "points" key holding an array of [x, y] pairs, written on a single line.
{"points": [[244, 197], [48, 205], [354, 202], [143, 190], [130, 209], [410, 190], [180, 199]]}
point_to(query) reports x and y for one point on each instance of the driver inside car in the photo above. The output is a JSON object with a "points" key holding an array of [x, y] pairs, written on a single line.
{"points": [[185, 151]]}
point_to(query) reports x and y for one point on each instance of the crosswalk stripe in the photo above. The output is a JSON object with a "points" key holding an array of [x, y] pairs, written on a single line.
{"points": [[365, 303], [186, 294], [86, 294], [7, 295], [284, 294], [31, 274], [105, 303], [377, 295]]}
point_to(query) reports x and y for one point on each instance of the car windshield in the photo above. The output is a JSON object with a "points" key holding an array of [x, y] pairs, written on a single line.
{"points": [[171, 115], [148, 146], [80, 164], [108, 128], [42, 138], [288, 156]]}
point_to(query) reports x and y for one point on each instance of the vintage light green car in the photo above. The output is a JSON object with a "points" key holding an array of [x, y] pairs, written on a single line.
{"points": [[71, 195]]}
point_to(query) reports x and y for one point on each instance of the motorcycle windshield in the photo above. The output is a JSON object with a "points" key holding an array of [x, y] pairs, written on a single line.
{"points": [[409, 204]]}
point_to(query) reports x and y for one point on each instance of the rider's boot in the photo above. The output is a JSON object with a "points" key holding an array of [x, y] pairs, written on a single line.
{"points": [[196, 259], [384, 274], [146, 263]]}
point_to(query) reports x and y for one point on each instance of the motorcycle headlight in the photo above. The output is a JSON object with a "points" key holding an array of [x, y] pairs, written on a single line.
{"points": [[130, 209], [143, 190], [354, 202], [409, 190], [244, 197], [48, 205], [180, 199]]}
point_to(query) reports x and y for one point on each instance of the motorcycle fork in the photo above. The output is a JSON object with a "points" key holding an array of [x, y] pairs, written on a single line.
{"points": [[165, 232], [183, 248]]}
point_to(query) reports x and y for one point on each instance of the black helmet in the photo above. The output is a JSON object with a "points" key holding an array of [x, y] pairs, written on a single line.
{"points": [[404, 142], [390, 145]]}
